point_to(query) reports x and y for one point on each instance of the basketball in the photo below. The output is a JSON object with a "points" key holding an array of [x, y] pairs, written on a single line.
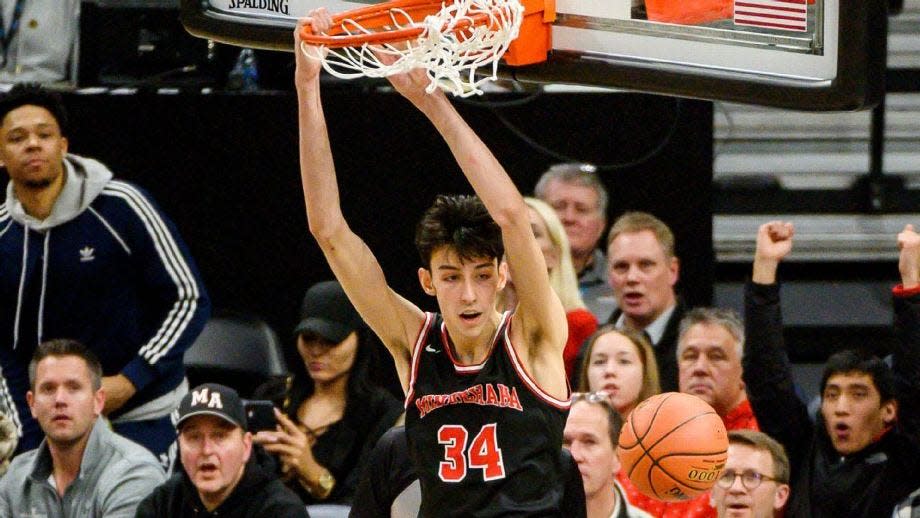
{"points": [[673, 446]]}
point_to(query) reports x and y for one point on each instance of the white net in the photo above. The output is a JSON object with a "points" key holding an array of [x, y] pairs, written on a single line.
{"points": [[451, 47]]}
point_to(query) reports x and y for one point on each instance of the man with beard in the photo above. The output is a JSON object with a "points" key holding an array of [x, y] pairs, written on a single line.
{"points": [[90, 258]]}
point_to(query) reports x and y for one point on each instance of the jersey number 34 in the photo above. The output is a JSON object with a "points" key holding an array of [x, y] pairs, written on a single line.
{"points": [[483, 453]]}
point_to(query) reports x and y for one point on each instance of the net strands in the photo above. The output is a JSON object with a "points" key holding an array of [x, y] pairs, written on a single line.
{"points": [[451, 42]]}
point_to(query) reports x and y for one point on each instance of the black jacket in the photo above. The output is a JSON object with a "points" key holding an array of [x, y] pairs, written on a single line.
{"points": [[665, 349], [344, 447], [825, 485], [258, 494]]}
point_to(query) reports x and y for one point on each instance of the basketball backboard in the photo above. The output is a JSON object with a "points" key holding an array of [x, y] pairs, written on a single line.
{"points": [[821, 55]]}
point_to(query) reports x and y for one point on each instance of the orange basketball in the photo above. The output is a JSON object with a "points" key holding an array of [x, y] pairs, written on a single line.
{"points": [[673, 446]]}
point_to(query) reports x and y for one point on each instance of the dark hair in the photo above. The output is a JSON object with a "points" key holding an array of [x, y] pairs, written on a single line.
{"points": [[862, 362], [614, 419], [359, 386], [66, 347], [23, 94], [462, 223]]}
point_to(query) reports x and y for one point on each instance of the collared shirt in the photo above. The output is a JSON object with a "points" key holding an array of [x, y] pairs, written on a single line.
{"points": [[741, 417], [595, 288], [655, 330], [622, 508]]}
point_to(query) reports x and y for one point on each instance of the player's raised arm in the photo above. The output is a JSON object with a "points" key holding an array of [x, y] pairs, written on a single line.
{"points": [[394, 319], [540, 317]]}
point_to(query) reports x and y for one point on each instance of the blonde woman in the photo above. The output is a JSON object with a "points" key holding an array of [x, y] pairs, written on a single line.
{"points": [[554, 244]]}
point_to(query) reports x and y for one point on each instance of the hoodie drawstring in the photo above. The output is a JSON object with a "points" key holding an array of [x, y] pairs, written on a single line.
{"points": [[41, 300], [22, 283]]}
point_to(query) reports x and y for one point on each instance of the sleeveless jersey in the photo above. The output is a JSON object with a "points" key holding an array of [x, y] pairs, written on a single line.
{"points": [[484, 438]]}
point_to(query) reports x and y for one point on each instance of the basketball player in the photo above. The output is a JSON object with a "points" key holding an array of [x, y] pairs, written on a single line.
{"points": [[486, 392]]}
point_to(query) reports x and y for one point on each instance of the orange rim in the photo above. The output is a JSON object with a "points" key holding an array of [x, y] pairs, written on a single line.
{"points": [[377, 16]]}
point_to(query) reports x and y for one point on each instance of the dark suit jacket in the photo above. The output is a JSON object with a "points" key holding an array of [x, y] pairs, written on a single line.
{"points": [[666, 348]]}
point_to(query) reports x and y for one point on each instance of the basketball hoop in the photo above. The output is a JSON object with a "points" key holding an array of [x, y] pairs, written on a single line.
{"points": [[450, 40]]}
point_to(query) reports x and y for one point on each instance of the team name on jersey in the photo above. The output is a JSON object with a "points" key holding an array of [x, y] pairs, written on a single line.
{"points": [[496, 394]]}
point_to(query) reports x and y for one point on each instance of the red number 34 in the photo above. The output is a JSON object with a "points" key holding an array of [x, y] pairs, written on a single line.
{"points": [[483, 453]]}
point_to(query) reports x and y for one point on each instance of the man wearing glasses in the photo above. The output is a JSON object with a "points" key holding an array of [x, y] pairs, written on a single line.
{"points": [[755, 483]]}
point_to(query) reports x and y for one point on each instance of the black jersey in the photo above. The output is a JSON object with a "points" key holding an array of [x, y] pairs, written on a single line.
{"points": [[484, 438]]}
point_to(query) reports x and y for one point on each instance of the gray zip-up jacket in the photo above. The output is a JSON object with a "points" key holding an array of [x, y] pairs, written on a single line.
{"points": [[115, 475]]}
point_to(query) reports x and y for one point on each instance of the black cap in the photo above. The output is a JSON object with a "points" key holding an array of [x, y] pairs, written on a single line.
{"points": [[327, 313], [212, 399]]}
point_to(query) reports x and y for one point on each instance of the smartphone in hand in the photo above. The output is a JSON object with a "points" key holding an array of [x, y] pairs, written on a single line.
{"points": [[260, 415]]}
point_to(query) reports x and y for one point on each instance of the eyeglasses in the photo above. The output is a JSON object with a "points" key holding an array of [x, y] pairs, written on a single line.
{"points": [[591, 397], [750, 479]]}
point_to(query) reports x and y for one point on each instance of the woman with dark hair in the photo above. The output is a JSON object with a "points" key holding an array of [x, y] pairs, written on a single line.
{"points": [[332, 415]]}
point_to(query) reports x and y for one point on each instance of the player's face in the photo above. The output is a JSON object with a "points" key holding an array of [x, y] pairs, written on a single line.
{"points": [[709, 366], [616, 368], [642, 276], [588, 439], [737, 501], [63, 400], [854, 415], [466, 289], [550, 252], [579, 210], [31, 147], [327, 361], [214, 454]]}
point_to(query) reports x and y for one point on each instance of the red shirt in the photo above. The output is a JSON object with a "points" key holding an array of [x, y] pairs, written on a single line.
{"points": [[581, 325]]}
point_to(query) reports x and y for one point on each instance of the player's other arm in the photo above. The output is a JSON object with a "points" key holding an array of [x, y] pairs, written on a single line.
{"points": [[540, 318], [394, 319]]}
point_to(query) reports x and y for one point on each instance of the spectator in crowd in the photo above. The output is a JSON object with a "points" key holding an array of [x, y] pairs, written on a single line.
{"points": [[709, 351], [389, 487], [37, 39], [643, 272], [90, 258], [860, 458], [333, 416], [620, 363], [220, 476], [9, 438], [81, 468], [755, 481], [591, 434], [554, 244], [579, 198], [709, 363]]}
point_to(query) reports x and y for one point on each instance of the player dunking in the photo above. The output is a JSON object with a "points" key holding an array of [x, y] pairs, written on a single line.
{"points": [[486, 392]]}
